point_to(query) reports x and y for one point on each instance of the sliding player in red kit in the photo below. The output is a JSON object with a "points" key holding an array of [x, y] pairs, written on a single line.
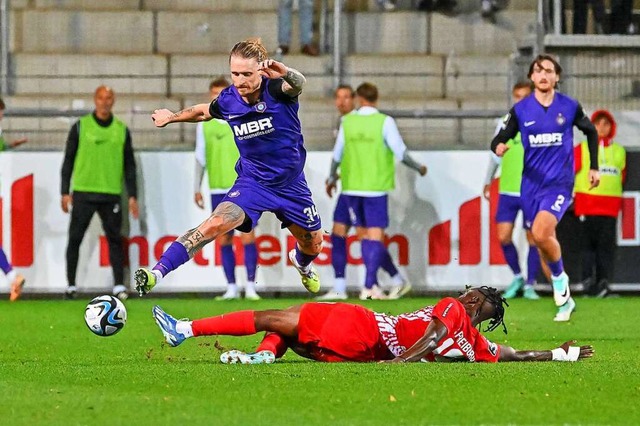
{"points": [[337, 332]]}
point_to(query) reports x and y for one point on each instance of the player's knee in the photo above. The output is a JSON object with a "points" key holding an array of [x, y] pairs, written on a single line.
{"points": [[213, 227], [504, 239], [225, 239], [539, 236]]}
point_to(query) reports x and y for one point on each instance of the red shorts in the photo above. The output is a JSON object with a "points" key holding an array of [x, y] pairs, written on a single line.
{"points": [[337, 332]]}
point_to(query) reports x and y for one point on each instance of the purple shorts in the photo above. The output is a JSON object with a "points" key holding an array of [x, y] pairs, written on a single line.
{"points": [[368, 212], [216, 199], [291, 204], [341, 213], [508, 208], [556, 203]]}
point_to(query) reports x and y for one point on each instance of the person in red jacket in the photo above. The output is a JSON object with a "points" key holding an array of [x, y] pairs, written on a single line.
{"points": [[599, 207], [342, 332]]}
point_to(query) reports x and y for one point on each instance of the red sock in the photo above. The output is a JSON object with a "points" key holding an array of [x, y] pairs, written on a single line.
{"points": [[232, 324], [273, 342]]}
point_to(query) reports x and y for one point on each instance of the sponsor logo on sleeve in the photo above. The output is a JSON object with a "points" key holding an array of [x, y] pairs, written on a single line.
{"points": [[446, 310]]}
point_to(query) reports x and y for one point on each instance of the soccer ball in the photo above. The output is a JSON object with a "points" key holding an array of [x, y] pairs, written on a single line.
{"points": [[105, 315]]}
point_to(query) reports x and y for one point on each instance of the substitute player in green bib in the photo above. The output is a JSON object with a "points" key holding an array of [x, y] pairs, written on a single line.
{"points": [[216, 151], [509, 204], [98, 156], [367, 145]]}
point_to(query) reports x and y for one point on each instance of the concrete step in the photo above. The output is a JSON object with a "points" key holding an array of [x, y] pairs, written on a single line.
{"points": [[207, 33], [179, 5], [66, 74], [470, 34], [212, 6], [82, 31]]}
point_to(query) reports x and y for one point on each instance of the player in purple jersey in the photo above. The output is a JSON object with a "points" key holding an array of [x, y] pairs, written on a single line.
{"points": [[262, 109], [545, 120]]}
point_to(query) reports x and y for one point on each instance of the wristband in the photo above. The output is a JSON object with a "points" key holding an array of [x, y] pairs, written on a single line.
{"points": [[559, 354]]}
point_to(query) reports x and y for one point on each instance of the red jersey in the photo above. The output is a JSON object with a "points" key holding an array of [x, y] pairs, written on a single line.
{"points": [[463, 342]]}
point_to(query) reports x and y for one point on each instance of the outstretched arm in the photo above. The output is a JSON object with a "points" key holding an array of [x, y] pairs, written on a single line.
{"points": [[435, 332], [566, 352], [193, 114]]}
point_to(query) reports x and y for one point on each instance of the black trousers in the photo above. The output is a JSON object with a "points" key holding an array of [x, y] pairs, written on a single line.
{"points": [[598, 247], [580, 15], [110, 214], [621, 11]]}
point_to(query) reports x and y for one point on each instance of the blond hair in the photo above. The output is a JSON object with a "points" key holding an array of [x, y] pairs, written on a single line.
{"points": [[250, 48]]}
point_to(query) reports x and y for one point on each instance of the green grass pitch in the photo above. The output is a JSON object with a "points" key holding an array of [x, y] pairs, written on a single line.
{"points": [[54, 371]]}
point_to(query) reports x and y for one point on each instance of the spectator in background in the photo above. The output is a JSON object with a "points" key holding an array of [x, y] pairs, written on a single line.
{"points": [[549, 19], [580, 16], [509, 204], [488, 8], [599, 207], [444, 6], [98, 155], [344, 97], [305, 15], [621, 17], [216, 151], [365, 148], [17, 280]]}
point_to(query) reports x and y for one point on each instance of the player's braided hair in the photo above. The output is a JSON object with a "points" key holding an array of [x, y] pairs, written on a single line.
{"points": [[250, 48], [498, 302]]}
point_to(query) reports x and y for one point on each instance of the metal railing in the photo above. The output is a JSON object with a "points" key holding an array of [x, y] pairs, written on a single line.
{"points": [[4, 46]]}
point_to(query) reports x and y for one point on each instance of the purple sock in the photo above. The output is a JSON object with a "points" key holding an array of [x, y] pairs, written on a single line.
{"points": [[511, 256], [172, 258], [251, 261], [228, 263], [387, 264], [339, 255], [557, 268], [372, 254], [533, 264], [304, 259], [4, 263]]}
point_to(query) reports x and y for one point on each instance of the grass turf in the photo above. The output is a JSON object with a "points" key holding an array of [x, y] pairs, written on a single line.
{"points": [[53, 370]]}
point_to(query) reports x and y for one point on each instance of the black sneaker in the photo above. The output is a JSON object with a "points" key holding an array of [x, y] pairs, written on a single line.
{"points": [[70, 293]]}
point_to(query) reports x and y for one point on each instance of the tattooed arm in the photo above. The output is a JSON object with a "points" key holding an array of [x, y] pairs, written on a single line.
{"points": [[225, 217], [200, 112], [293, 82]]}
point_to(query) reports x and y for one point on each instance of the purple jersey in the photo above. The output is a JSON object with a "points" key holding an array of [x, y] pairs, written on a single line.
{"points": [[267, 133], [547, 138]]}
